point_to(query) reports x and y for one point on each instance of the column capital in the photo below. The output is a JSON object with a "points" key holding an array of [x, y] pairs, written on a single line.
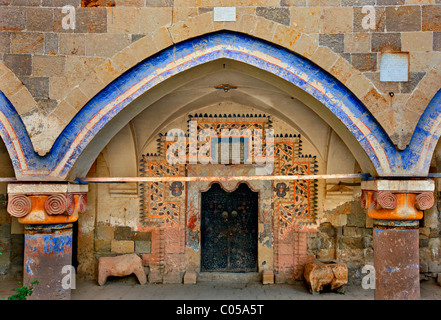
{"points": [[46, 203], [393, 200]]}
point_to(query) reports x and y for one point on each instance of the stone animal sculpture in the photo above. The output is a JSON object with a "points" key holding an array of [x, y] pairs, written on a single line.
{"points": [[325, 273], [121, 266]]}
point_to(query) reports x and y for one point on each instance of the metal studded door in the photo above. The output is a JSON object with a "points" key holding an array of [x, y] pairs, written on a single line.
{"points": [[229, 230]]}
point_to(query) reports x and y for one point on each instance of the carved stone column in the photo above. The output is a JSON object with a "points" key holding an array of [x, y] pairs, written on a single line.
{"points": [[396, 207], [48, 212]]}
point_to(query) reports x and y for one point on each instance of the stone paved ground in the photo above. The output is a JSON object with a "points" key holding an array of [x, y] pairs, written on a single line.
{"points": [[129, 289]]}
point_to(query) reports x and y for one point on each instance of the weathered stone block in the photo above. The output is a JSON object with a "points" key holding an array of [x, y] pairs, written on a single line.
{"points": [[123, 233], [143, 247], [267, 277], [434, 267], [309, 20], [40, 19], [383, 42], [364, 61], [336, 42], [416, 41], [431, 18], [105, 233], [279, 15], [357, 3], [324, 3], [190, 277], [20, 64], [106, 45], [404, 18], [91, 20], [50, 43], [437, 41], [122, 246], [130, 3], [325, 273], [153, 18], [172, 277], [102, 246], [142, 236], [390, 2], [424, 231], [293, 3], [60, 3], [337, 20], [159, 3], [12, 18], [117, 20], [155, 277], [411, 84], [24, 3], [121, 266], [5, 42], [48, 66], [356, 220], [378, 25], [353, 232], [357, 42], [352, 243], [58, 18], [27, 42], [72, 44], [37, 86]]}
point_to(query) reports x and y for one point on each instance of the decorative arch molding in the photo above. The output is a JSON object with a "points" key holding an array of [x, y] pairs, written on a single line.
{"points": [[418, 155], [105, 106], [291, 38]]}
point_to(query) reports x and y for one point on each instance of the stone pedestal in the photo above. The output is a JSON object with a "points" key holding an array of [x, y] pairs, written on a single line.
{"points": [[48, 212], [190, 277], [396, 208], [267, 277]]}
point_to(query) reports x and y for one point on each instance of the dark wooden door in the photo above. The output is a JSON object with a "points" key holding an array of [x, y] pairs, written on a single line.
{"points": [[229, 230]]}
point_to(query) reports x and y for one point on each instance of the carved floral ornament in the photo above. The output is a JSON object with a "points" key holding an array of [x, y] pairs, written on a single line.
{"points": [[20, 205], [388, 200]]}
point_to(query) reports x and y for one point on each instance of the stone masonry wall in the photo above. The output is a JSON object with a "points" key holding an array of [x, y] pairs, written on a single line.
{"points": [[49, 73], [352, 241]]}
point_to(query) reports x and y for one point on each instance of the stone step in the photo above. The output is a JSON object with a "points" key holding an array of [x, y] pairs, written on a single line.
{"points": [[235, 277]]}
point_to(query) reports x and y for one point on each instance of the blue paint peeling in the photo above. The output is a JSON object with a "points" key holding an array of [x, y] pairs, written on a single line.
{"points": [[29, 261], [56, 244]]}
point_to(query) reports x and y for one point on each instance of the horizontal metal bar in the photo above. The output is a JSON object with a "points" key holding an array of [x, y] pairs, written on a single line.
{"points": [[223, 178], [8, 180]]}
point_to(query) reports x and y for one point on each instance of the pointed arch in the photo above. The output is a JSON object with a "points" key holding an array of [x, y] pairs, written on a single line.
{"points": [[102, 112]]}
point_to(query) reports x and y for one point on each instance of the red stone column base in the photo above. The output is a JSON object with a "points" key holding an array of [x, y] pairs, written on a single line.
{"points": [[396, 261]]}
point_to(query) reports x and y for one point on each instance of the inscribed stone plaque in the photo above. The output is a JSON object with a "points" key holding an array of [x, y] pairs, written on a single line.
{"points": [[394, 67], [224, 13]]}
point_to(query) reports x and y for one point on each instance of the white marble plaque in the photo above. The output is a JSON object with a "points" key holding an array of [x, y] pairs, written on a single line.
{"points": [[224, 13], [394, 67]]}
